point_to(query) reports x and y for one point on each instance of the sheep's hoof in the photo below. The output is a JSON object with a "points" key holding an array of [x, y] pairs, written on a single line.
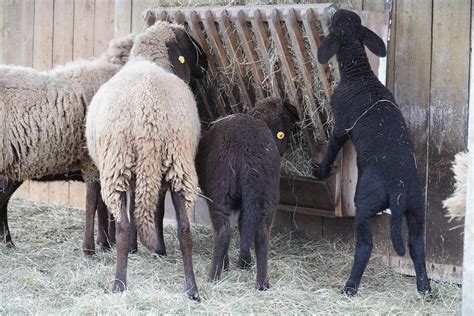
{"points": [[350, 289], [10, 244], [119, 287], [263, 286], [193, 294], [132, 250], [245, 264], [161, 252], [89, 252], [212, 279]]}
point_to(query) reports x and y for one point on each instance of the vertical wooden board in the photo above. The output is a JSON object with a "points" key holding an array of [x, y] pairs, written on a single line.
{"points": [[77, 194], [3, 43], [38, 192], [373, 5], [103, 25], [18, 32], [84, 17], [138, 18], [448, 122], [43, 35], [122, 17], [58, 192], [63, 31]]}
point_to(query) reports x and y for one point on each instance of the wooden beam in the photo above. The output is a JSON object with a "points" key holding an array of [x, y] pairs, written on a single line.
{"points": [[468, 264]]}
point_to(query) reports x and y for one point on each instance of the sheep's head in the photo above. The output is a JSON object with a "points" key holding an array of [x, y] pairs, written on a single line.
{"points": [[280, 118], [118, 51], [346, 27]]}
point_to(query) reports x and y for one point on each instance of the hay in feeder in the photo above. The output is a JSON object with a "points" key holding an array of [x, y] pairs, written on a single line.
{"points": [[48, 274]]}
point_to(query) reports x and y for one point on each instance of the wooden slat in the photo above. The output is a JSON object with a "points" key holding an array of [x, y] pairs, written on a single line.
{"points": [[232, 43], [246, 41], [193, 22], [18, 32], [448, 117], [63, 32], [314, 40], [218, 48], [306, 72], [84, 17], [103, 25], [138, 9], [262, 41], [123, 17], [3, 43]]}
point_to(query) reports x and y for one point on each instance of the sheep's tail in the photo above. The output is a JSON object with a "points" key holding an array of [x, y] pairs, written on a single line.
{"points": [[147, 192], [397, 207]]}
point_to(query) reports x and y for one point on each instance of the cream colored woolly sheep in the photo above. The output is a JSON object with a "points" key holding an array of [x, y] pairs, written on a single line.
{"points": [[456, 203], [143, 129], [43, 116]]}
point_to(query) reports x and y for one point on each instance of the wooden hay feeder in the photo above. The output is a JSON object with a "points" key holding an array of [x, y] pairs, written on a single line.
{"points": [[258, 51]]}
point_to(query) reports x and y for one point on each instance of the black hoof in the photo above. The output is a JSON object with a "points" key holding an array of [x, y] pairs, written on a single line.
{"points": [[245, 264], [10, 244], [193, 294], [161, 252], [350, 289], [89, 252], [263, 286], [119, 287]]}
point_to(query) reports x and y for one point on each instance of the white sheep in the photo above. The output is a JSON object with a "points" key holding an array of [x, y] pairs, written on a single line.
{"points": [[456, 203], [143, 129], [43, 116]]}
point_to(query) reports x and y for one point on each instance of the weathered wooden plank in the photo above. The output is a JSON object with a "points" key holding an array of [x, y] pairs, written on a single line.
{"points": [[122, 17], [18, 32], [63, 32], [139, 7], [103, 25], [448, 122], [468, 260], [84, 16], [3, 43], [373, 5], [233, 46]]}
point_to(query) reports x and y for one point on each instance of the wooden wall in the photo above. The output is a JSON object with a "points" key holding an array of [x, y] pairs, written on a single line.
{"points": [[45, 33], [428, 73]]}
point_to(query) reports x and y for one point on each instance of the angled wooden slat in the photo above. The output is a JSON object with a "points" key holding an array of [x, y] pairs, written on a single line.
{"points": [[218, 48], [306, 72], [253, 60], [84, 15], [314, 40], [227, 32], [123, 17], [193, 22], [262, 39]]}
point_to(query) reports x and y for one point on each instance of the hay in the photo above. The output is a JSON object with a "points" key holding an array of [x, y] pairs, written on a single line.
{"points": [[47, 274]]}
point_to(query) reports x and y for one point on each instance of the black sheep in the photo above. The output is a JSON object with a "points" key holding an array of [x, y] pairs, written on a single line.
{"points": [[365, 111], [238, 165]]}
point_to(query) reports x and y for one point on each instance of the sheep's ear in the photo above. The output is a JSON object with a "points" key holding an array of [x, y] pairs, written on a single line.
{"points": [[373, 42], [177, 60], [150, 18], [328, 48]]}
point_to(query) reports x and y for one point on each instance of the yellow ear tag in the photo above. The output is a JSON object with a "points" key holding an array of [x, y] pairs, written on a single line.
{"points": [[280, 135], [181, 59]]}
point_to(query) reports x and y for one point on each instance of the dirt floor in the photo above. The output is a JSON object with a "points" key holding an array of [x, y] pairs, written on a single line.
{"points": [[47, 274]]}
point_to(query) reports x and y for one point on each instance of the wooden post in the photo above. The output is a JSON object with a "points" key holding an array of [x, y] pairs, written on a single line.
{"points": [[468, 264]]}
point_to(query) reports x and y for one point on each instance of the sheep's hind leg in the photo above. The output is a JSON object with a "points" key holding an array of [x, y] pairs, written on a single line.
{"points": [[122, 237], [92, 195], [7, 188], [132, 241], [111, 229], [221, 225], [364, 245], [185, 243], [415, 223], [103, 237], [159, 215], [262, 240]]}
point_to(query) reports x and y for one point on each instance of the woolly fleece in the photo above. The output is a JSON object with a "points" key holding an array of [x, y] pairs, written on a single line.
{"points": [[456, 203], [43, 113], [143, 127]]}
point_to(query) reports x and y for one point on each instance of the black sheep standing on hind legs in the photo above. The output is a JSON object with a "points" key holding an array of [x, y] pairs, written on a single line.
{"points": [[366, 112]]}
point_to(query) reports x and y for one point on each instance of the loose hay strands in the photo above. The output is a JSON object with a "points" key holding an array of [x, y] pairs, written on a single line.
{"points": [[47, 274]]}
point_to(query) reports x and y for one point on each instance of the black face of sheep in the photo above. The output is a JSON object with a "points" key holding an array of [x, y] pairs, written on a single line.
{"points": [[346, 27], [192, 54]]}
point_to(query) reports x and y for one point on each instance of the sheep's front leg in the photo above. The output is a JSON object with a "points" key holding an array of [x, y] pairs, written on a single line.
{"points": [[122, 237], [338, 138], [185, 243], [92, 195], [262, 240], [7, 188], [159, 215], [221, 225]]}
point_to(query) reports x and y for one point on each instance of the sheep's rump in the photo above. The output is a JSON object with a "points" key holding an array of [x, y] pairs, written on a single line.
{"points": [[143, 125], [43, 115], [238, 158], [456, 203]]}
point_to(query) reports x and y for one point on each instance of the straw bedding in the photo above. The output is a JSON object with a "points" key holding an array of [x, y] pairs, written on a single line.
{"points": [[47, 274]]}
